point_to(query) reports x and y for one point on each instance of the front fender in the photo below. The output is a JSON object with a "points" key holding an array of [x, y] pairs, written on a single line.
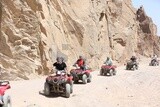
{"points": [[69, 79]]}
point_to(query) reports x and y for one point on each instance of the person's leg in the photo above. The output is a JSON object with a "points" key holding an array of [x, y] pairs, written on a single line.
{"points": [[1, 99], [83, 67]]}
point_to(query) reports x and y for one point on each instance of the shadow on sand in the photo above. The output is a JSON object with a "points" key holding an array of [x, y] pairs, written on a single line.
{"points": [[52, 95]]}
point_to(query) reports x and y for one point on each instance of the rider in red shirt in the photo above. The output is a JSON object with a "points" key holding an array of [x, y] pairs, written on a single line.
{"points": [[81, 63]]}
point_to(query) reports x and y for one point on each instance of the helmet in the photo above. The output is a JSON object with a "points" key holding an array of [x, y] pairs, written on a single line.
{"points": [[59, 59], [155, 55], [133, 57], [80, 57]]}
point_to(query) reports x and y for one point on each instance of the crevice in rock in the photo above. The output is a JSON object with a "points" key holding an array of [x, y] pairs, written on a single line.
{"points": [[43, 57], [4, 47], [11, 36], [101, 16], [120, 41], [32, 4], [57, 25], [43, 30], [56, 5]]}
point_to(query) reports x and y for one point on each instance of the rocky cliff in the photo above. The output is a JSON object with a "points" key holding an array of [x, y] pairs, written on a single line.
{"points": [[35, 32]]}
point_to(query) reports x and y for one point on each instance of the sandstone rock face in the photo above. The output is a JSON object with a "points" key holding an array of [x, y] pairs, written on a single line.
{"points": [[35, 32]]}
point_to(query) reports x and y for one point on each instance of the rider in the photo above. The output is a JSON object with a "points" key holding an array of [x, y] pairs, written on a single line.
{"points": [[81, 63], [154, 58], [133, 59], [108, 61], [60, 65]]}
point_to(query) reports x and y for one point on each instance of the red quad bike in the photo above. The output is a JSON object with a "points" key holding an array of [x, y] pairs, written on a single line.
{"points": [[59, 84], [5, 100], [105, 70], [79, 74]]}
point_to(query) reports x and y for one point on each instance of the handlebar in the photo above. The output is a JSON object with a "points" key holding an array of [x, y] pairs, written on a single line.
{"points": [[4, 82]]}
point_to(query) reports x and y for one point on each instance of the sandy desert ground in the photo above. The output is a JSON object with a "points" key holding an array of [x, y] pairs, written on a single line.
{"points": [[139, 88]]}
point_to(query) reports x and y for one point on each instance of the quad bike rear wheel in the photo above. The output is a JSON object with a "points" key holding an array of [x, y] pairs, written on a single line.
{"points": [[75, 81], [7, 101], [68, 90], [127, 68], [101, 72], [84, 79], [47, 90]]}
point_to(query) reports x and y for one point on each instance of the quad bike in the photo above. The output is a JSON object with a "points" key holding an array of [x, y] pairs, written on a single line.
{"points": [[5, 100], [106, 69], [61, 83], [132, 66], [154, 63], [79, 74]]}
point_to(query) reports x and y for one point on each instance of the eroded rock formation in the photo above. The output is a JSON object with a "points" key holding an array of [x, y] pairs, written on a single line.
{"points": [[35, 32]]}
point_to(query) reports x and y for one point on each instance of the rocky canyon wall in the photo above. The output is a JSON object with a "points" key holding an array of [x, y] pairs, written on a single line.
{"points": [[35, 32]]}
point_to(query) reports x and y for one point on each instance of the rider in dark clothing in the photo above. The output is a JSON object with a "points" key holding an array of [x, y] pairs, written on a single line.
{"points": [[60, 65], [132, 64], [133, 59]]}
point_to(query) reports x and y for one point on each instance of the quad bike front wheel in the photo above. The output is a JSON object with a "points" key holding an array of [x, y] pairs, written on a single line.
{"points": [[68, 90], [71, 87], [7, 101], [114, 72], [84, 79], [47, 90], [155, 64], [134, 67], [111, 72], [89, 78], [137, 67]]}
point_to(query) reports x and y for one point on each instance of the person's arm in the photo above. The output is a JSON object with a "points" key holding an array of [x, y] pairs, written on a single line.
{"points": [[105, 62], [84, 61], [55, 64], [65, 68], [110, 61], [76, 64]]}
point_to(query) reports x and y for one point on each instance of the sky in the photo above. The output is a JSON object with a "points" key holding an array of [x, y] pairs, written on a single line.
{"points": [[152, 8]]}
